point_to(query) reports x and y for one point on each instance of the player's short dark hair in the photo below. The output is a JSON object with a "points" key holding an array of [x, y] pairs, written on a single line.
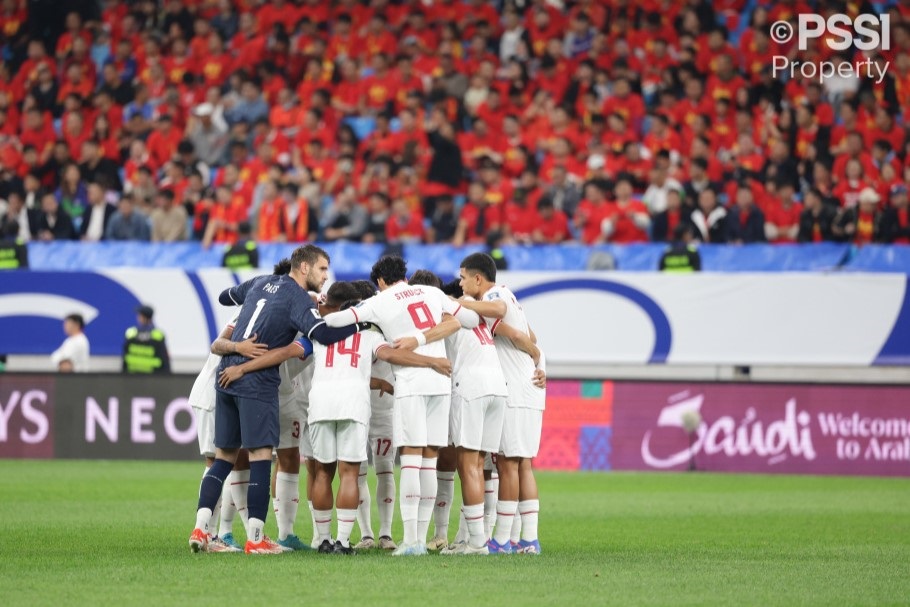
{"points": [[282, 267], [365, 288], [76, 318], [390, 268], [340, 292], [308, 254], [425, 277], [453, 288], [480, 263]]}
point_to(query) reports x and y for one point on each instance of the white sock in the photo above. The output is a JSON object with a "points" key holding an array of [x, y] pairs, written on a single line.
{"points": [[529, 510], [323, 519], [228, 510], [428, 487], [515, 534], [505, 516], [445, 493], [490, 497], [385, 494], [409, 496], [312, 519], [256, 528], [366, 503], [473, 516], [346, 520], [240, 482], [203, 516], [287, 499], [462, 534]]}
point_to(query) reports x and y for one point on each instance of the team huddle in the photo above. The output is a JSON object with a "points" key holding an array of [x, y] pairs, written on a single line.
{"points": [[448, 377]]}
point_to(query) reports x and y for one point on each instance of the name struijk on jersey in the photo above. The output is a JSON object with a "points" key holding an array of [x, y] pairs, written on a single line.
{"points": [[408, 293]]}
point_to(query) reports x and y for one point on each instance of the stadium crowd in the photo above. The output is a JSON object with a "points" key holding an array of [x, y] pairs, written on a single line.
{"points": [[525, 121]]}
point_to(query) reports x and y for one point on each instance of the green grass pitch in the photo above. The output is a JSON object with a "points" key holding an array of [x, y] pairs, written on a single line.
{"points": [[115, 533]]}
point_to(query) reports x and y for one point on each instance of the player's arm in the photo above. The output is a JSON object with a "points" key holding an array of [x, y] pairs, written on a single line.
{"points": [[306, 319], [540, 373], [382, 385], [235, 296], [223, 346], [449, 326], [360, 313], [406, 358], [327, 335], [487, 309], [299, 347], [519, 339], [466, 317]]}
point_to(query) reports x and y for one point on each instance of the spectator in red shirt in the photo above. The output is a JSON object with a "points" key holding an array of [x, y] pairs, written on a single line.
{"points": [[477, 217], [552, 225], [590, 212], [848, 190], [378, 93], [782, 216], [626, 219], [404, 225], [162, 143]]}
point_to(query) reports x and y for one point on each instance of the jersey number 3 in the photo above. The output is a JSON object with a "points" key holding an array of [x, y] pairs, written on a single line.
{"points": [[344, 349]]}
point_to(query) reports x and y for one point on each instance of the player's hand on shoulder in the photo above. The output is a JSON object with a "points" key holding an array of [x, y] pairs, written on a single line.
{"points": [[539, 378], [443, 366], [250, 348], [230, 375]]}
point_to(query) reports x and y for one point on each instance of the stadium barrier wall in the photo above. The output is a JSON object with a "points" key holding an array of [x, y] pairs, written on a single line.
{"points": [[356, 258], [588, 425], [580, 318]]}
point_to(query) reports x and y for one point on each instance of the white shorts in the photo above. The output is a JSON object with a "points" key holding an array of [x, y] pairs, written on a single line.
{"points": [[339, 440], [421, 421], [477, 423], [306, 445], [489, 460], [521, 432], [381, 424], [291, 422], [205, 431]]}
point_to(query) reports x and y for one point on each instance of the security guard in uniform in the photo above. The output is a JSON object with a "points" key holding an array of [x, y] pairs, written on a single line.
{"points": [[244, 254], [144, 350], [13, 252], [681, 256]]}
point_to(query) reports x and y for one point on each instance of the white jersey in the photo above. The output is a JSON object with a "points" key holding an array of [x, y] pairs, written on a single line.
{"points": [[202, 395], [403, 310], [382, 370], [341, 378], [517, 366], [476, 371], [290, 371]]}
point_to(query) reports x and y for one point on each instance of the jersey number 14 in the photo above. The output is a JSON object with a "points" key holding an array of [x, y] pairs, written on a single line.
{"points": [[342, 349]]}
